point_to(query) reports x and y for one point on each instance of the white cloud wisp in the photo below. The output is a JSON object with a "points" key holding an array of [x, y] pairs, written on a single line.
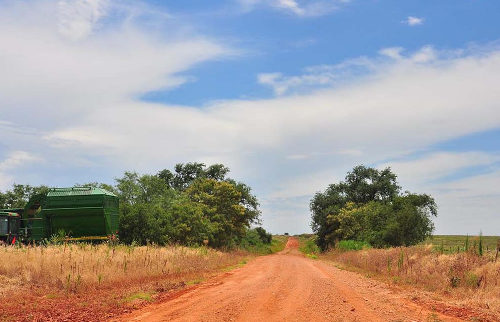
{"points": [[413, 21]]}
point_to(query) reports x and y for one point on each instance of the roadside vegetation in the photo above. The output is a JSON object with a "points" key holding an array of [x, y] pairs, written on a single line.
{"points": [[81, 267], [258, 241], [466, 276], [465, 270]]}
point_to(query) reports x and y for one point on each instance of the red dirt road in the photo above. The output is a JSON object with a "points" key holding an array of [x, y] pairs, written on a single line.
{"points": [[287, 287]]}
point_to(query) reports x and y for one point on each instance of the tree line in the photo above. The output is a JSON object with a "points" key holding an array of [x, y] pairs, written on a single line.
{"points": [[191, 205], [194, 204]]}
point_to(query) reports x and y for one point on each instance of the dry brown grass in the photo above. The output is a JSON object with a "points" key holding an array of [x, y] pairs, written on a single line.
{"points": [[76, 267], [83, 282], [466, 277]]}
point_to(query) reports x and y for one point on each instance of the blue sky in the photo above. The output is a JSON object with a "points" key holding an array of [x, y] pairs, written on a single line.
{"points": [[280, 41], [290, 94]]}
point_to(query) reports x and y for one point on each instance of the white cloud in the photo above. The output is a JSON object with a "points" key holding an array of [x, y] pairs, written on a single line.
{"points": [[291, 5], [14, 160], [77, 18], [392, 52], [299, 8], [413, 21], [65, 78], [439, 165], [315, 77]]}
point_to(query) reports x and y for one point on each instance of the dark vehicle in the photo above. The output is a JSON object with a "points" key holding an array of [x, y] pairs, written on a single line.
{"points": [[9, 227]]}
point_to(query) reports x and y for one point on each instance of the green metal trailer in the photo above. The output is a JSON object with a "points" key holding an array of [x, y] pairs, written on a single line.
{"points": [[78, 212]]}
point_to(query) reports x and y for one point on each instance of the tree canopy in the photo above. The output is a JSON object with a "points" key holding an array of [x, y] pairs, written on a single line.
{"points": [[189, 205], [19, 195], [369, 206]]}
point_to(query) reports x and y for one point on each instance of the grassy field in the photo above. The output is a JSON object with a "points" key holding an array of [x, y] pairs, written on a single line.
{"points": [[454, 243], [94, 282], [440, 265]]}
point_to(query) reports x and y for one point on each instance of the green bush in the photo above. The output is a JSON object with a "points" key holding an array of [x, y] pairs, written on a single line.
{"points": [[308, 245], [346, 245], [258, 241], [264, 236]]}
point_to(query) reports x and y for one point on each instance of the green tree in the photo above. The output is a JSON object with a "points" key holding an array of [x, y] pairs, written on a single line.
{"points": [[410, 220], [188, 224], [133, 188], [145, 201], [144, 223], [19, 195], [186, 173], [368, 206], [222, 205], [192, 204]]}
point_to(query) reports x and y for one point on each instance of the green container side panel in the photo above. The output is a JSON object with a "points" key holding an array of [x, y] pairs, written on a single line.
{"points": [[78, 226], [79, 212], [75, 222], [37, 228], [112, 221]]}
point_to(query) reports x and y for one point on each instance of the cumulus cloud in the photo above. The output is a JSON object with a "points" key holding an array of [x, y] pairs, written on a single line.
{"points": [[413, 21]]}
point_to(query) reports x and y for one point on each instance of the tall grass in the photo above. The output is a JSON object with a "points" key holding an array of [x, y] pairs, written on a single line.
{"points": [[468, 275], [74, 267], [456, 243]]}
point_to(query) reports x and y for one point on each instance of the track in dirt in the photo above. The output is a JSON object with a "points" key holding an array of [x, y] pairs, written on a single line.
{"points": [[286, 287]]}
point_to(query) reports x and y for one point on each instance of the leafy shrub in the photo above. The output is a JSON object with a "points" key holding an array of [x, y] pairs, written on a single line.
{"points": [[346, 245], [257, 240], [308, 245], [251, 238], [264, 236], [472, 279]]}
